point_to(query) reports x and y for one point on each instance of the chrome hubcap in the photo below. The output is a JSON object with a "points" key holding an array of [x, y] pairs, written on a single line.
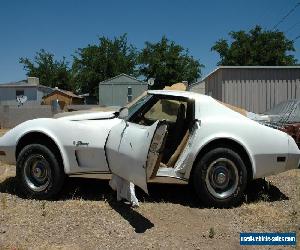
{"points": [[37, 172], [222, 178]]}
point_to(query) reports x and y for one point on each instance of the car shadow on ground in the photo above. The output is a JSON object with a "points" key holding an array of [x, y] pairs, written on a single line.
{"points": [[97, 190], [261, 190], [91, 189]]}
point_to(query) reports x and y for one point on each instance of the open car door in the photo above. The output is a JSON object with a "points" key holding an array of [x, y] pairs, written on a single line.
{"points": [[134, 151]]}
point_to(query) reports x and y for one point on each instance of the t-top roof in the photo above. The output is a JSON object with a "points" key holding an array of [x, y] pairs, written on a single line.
{"points": [[187, 94]]}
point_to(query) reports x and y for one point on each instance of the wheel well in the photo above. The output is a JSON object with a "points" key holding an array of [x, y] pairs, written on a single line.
{"points": [[39, 138], [227, 143]]}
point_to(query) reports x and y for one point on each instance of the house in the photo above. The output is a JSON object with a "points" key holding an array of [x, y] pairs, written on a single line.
{"points": [[120, 90], [254, 88], [63, 97], [30, 89]]}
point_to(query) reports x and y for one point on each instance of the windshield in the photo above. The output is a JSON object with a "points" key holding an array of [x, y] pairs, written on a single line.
{"points": [[137, 104]]}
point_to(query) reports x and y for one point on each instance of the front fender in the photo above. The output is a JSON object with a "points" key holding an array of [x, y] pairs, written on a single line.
{"points": [[43, 125], [86, 157]]}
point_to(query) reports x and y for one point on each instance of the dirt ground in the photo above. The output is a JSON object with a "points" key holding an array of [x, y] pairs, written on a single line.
{"points": [[88, 216]]}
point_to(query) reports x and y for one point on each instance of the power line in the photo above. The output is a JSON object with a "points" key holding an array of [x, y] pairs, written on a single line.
{"points": [[297, 37], [285, 17], [292, 27]]}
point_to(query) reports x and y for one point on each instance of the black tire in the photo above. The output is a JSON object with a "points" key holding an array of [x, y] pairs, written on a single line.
{"points": [[39, 174], [220, 178]]}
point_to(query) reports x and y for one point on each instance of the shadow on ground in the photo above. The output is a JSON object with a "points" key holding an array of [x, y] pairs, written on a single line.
{"points": [[92, 189], [261, 190], [135, 219], [89, 189]]}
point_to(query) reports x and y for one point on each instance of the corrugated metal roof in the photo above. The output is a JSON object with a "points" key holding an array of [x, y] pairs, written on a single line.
{"points": [[247, 67], [195, 84], [259, 67]]}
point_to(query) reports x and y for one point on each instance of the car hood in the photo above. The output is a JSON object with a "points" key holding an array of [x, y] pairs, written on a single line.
{"points": [[81, 116]]}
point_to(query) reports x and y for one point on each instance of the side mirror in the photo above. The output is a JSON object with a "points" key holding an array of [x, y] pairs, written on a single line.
{"points": [[123, 113]]}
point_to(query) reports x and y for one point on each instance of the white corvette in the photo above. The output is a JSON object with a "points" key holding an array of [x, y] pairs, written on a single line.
{"points": [[164, 136]]}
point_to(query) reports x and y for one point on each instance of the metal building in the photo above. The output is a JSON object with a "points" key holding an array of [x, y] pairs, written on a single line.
{"points": [[254, 88], [120, 90], [198, 87]]}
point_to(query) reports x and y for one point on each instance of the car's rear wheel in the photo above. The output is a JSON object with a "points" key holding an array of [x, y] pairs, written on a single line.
{"points": [[39, 173], [220, 178]]}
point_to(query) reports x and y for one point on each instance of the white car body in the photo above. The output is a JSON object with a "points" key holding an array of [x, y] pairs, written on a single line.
{"points": [[101, 143]]}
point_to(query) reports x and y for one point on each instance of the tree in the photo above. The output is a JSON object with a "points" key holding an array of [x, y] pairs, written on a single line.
{"points": [[168, 63], [257, 47], [96, 63], [51, 72]]}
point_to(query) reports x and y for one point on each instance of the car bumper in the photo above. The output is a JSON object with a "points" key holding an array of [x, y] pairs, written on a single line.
{"points": [[292, 162], [293, 156], [270, 164]]}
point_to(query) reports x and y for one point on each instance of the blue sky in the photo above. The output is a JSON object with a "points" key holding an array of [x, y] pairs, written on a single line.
{"points": [[61, 27]]}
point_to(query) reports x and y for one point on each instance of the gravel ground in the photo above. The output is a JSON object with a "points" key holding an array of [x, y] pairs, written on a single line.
{"points": [[88, 216]]}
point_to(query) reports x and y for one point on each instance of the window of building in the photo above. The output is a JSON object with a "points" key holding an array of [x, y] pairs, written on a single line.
{"points": [[19, 93], [129, 94]]}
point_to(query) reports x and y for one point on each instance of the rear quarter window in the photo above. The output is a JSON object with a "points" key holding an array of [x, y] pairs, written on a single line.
{"points": [[164, 110]]}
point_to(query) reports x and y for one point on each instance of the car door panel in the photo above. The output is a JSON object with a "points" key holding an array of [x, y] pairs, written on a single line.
{"points": [[127, 151], [131, 149], [83, 143]]}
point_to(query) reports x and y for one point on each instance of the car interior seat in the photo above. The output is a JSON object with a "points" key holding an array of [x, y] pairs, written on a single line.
{"points": [[180, 120], [173, 159], [176, 133]]}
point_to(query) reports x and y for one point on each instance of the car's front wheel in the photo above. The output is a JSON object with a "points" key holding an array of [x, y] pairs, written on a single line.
{"points": [[39, 173], [220, 178]]}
